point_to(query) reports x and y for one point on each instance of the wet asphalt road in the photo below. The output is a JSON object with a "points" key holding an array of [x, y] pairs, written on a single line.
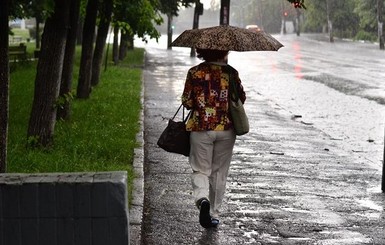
{"points": [[336, 87], [293, 180]]}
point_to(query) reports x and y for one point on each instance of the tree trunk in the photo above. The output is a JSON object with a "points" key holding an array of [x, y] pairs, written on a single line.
{"points": [[47, 82], [37, 34], [79, 33], [330, 23], [283, 14], [64, 109], [4, 84], [380, 6], [115, 46], [104, 24], [84, 82], [298, 22], [124, 37], [131, 42], [169, 31]]}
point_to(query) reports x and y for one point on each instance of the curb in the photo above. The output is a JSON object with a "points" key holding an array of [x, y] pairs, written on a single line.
{"points": [[136, 209]]}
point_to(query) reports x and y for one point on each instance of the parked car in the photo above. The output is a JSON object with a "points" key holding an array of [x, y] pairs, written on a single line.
{"points": [[253, 28]]}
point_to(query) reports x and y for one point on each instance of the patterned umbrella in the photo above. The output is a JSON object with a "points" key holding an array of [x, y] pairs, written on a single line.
{"points": [[225, 37]]}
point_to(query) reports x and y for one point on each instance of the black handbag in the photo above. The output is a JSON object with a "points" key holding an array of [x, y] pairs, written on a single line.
{"points": [[174, 137]]}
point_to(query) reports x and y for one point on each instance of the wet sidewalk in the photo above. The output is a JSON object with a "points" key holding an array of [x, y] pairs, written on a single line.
{"points": [[289, 182]]}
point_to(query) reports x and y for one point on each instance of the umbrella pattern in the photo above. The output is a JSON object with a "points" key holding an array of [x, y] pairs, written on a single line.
{"points": [[225, 37]]}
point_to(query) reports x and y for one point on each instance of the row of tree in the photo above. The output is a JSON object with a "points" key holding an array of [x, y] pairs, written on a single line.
{"points": [[360, 19], [53, 81]]}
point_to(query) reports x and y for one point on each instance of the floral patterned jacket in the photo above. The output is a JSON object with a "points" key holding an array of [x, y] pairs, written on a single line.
{"points": [[206, 92]]}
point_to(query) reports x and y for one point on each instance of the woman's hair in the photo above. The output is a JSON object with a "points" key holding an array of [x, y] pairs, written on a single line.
{"points": [[211, 55]]}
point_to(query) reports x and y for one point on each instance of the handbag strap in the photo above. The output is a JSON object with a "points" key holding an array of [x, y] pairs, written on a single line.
{"points": [[184, 118], [176, 113]]}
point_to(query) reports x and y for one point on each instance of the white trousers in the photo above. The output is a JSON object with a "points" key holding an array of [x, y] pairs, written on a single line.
{"points": [[210, 158]]}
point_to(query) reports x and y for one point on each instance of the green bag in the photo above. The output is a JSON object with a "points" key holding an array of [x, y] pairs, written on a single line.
{"points": [[237, 111]]}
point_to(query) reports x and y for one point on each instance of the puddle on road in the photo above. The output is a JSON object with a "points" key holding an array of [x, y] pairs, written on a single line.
{"points": [[300, 239], [375, 190], [294, 210], [344, 237], [243, 150], [269, 239], [253, 213], [370, 204], [250, 235]]}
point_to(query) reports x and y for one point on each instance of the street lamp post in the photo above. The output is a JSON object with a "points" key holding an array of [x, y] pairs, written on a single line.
{"points": [[224, 17], [197, 11], [383, 174], [383, 170]]}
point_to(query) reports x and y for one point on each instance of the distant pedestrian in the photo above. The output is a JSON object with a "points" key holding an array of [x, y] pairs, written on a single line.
{"points": [[212, 137]]}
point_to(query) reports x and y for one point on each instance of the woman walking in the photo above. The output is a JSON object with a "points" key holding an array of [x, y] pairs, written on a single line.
{"points": [[212, 137]]}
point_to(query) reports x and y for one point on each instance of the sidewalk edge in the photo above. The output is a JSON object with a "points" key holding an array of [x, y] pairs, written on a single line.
{"points": [[136, 209]]}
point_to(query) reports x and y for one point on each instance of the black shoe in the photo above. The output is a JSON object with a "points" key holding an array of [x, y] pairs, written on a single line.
{"points": [[204, 215], [214, 222]]}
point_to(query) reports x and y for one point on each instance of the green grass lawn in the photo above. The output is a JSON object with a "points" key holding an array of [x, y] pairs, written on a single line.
{"points": [[101, 134]]}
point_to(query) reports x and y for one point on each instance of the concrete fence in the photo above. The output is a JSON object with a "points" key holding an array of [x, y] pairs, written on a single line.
{"points": [[64, 209]]}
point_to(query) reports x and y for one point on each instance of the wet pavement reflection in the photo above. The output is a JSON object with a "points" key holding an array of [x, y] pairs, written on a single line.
{"points": [[309, 170]]}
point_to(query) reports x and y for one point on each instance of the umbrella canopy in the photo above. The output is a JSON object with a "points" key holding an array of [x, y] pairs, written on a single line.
{"points": [[225, 37]]}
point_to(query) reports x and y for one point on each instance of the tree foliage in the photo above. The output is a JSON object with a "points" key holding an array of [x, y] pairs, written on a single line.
{"points": [[344, 19], [171, 7], [366, 12], [138, 17], [341, 13], [315, 16], [297, 3], [27, 9]]}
